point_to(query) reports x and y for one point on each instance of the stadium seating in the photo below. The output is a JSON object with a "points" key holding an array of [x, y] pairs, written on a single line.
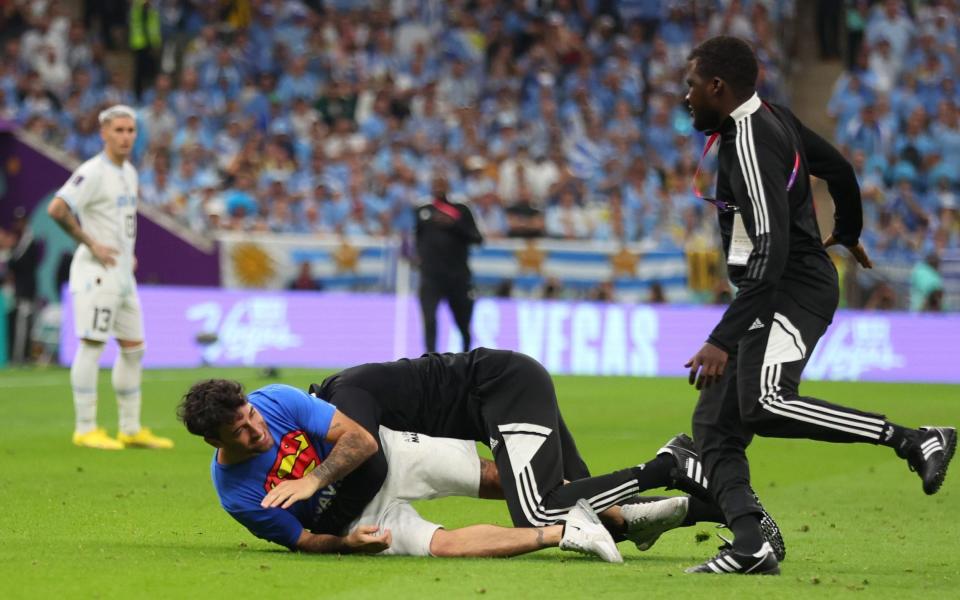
{"points": [[273, 116], [302, 121]]}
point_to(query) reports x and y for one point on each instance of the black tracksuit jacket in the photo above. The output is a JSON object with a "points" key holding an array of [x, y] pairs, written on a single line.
{"points": [[760, 145]]}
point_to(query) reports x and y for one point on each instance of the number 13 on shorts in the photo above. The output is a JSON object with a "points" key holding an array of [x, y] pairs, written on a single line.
{"points": [[100, 315], [101, 318]]}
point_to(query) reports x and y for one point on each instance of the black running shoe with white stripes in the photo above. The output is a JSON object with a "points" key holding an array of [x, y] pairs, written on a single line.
{"points": [[687, 473], [930, 455], [770, 531], [731, 562]]}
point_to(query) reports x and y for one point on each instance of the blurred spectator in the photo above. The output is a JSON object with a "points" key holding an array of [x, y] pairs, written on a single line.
{"points": [[884, 66], [657, 295], [828, 28], [304, 279], [105, 17], [882, 297], [567, 219], [892, 24], [159, 191], [339, 103], [504, 289], [145, 43], [84, 142], [603, 292], [552, 289], [934, 302], [52, 68], [524, 220], [515, 173], [926, 281], [24, 259], [856, 22]]}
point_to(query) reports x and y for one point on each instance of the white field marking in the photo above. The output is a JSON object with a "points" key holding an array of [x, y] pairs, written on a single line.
{"points": [[61, 380]]}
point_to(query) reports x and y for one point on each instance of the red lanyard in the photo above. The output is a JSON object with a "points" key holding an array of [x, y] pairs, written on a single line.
{"points": [[721, 204]]}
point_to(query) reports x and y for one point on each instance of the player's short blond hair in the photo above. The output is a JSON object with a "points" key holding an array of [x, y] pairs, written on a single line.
{"points": [[116, 111]]}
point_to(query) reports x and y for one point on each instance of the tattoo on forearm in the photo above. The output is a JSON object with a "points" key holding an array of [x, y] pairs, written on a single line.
{"points": [[540, 542], [348, 453], [71, 226]]}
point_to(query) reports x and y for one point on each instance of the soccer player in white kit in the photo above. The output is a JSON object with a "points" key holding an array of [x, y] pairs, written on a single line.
{"points": [[103, 194]]}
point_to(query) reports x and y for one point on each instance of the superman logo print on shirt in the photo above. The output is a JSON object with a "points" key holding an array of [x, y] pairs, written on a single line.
{"points": [[296, 458]]}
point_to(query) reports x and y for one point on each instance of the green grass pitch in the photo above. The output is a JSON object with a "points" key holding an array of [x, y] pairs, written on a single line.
{"points": [[78, 523]]}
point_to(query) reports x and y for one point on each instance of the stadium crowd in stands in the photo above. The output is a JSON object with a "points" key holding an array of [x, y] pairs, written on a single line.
{"points": [[272, 115], [557, 118], [896, 111]]}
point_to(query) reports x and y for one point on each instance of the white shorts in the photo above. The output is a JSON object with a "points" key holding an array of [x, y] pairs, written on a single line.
{"points": [[105, 300], [419, 467], [99, 314]]}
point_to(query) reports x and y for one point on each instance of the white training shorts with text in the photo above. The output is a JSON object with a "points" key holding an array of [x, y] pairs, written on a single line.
{"points": [[419, 467]]}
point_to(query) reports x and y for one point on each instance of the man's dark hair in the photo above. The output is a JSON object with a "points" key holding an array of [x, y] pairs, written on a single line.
{"points": [[209, 405], [730, 59]]}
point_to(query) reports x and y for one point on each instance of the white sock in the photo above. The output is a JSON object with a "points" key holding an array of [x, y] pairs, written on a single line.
{"points": [[83, 379], [126, 385]]}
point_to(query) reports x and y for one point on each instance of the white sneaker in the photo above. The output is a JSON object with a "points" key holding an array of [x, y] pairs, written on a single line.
{"points": [[585, 534], [648, 520]]}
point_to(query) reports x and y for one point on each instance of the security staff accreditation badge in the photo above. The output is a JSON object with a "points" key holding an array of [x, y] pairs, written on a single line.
{"points": [[740, 244]]}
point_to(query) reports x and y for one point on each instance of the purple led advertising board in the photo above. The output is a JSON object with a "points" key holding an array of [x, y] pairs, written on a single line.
{"points": [[324, 330]]}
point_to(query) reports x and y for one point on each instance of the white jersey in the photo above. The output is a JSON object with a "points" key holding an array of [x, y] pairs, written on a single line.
{"points": [[104, 198]]}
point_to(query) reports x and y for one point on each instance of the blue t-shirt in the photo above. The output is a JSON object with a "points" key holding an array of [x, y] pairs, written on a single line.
{"points": [[299, 424]]}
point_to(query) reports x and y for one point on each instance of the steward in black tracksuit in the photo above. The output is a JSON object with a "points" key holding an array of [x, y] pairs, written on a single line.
{"points": [[445, 232], [787, 294]]}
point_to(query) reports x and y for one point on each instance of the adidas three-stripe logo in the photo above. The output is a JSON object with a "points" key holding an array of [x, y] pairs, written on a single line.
{"points": [[930, 446], [724, 563], [695, 472]]}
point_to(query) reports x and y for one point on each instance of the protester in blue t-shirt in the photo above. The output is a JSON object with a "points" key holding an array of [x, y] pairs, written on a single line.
{"points": [[292, 468], [277, 437]]}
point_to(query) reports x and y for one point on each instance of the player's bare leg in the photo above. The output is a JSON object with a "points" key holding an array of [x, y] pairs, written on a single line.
{"points": [[643, 524], [490, 540], [582, 533]]}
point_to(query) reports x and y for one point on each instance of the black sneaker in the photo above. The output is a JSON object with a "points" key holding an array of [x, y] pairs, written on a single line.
{"points": [[930, 455], [768, 529], [729, 562], [687, 474]]}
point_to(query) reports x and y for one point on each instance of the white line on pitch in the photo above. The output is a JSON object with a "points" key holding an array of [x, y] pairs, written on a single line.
{"points": [[59, 380]]}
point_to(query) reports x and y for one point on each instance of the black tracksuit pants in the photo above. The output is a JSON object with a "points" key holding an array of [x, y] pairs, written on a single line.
{"points": [[458, 292], [759, 395], [534, 451]]}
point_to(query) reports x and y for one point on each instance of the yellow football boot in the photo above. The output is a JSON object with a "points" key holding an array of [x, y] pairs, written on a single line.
{"points": [[144, 439], [96, 438]]}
